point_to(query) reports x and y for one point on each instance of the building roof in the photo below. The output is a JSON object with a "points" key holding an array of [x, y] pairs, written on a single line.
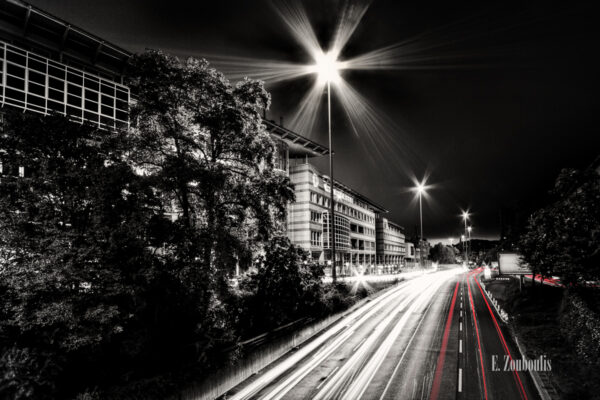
{"points": [[298, 144], [55, 38]]}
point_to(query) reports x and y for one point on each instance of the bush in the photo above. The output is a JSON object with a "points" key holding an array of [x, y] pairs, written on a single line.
{"points": [[581, 326]]}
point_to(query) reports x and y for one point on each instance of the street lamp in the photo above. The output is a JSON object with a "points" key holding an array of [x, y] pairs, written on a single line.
{"points": [[421, 190], [327, 69], [469, 238], [465, 216]]}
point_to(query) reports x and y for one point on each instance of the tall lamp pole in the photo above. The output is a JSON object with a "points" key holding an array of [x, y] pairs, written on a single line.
{"points": [[469, 238], [327, 69], [466, 248], [420, 191], [332, 219]]}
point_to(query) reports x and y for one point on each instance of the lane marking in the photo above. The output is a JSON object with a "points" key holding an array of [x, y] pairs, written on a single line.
{"points": [[327, 377], [460, 345], [460, 380], [478, 340], [358, 345], [460, 326], [435, 388]]}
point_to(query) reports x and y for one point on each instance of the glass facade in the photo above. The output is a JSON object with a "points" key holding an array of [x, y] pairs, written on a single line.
{"points": [[34, 83], [342, 232]]}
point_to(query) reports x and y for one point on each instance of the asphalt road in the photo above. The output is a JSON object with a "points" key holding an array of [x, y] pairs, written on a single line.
{"points": [[432, 337]]}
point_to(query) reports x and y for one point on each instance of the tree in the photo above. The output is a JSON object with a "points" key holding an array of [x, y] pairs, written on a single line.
{"points": [[201, 142], [443, 254], [563, 238], [75, 258], [286, 286]]}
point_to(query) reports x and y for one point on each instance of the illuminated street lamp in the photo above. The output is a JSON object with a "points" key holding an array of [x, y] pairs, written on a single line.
{"points": [[327, 69], [469, 238], [465, 216], [420, 191]]}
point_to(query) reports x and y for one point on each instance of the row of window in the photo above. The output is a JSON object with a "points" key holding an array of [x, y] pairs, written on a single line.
{"points": [[362, 245], [38, 84], [362, 230], [315, 216], [391, 247], [341, 208], [315, 238]]}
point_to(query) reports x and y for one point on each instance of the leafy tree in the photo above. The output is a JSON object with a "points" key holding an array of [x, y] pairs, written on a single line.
{"points": [[285, 287], [563, 238], [75, 253], [442, 254], [202, 140]]}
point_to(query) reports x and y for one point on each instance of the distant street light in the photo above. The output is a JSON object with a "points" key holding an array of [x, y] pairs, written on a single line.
{"points": [[465, 216], [469, 239], [327, 69]]}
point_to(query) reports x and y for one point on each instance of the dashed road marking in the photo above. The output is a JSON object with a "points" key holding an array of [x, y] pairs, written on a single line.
{"points": [[460, 345], [460, 379], [460, 326]]}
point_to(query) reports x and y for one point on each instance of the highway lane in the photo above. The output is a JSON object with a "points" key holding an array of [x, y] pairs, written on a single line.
{"points": [[369, 353], [430, 337], [485, 339]]}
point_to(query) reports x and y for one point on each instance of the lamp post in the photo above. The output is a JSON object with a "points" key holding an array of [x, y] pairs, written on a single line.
{"points": [[465, 246], [469, 238], [420, 191], [327, 69]]}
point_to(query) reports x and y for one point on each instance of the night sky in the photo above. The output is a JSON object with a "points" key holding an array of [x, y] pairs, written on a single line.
{"points": [[506, 94]]}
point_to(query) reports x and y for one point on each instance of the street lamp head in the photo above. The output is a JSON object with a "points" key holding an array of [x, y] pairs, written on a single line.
{"points": [[327, 67], [469, 229], [465, 215], [420, 188]]}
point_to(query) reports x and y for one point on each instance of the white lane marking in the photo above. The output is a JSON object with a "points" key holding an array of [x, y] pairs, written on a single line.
{"points": [[460, 379], [460, 326], [358, 345], [327, 377], [460, 345], [461, 305]]}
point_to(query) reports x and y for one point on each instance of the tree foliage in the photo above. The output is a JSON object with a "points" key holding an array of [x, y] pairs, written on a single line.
{"points": [[285, 287], [443, 254], [563, 238], [75, 258]]}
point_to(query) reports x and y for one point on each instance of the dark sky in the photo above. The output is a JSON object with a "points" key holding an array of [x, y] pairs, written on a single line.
{"points": [[506, 96]]}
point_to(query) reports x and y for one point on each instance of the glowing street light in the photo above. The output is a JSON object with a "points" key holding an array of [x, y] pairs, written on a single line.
{"points": [[469, 238], [420, 189], [465, 216], [327, 69]]}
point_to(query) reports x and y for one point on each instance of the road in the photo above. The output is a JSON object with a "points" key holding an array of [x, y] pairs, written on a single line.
{"points": [[432, 337]]}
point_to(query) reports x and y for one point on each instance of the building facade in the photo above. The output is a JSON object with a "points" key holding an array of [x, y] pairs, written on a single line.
{"points": [[354, 227], [391, 247]]}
